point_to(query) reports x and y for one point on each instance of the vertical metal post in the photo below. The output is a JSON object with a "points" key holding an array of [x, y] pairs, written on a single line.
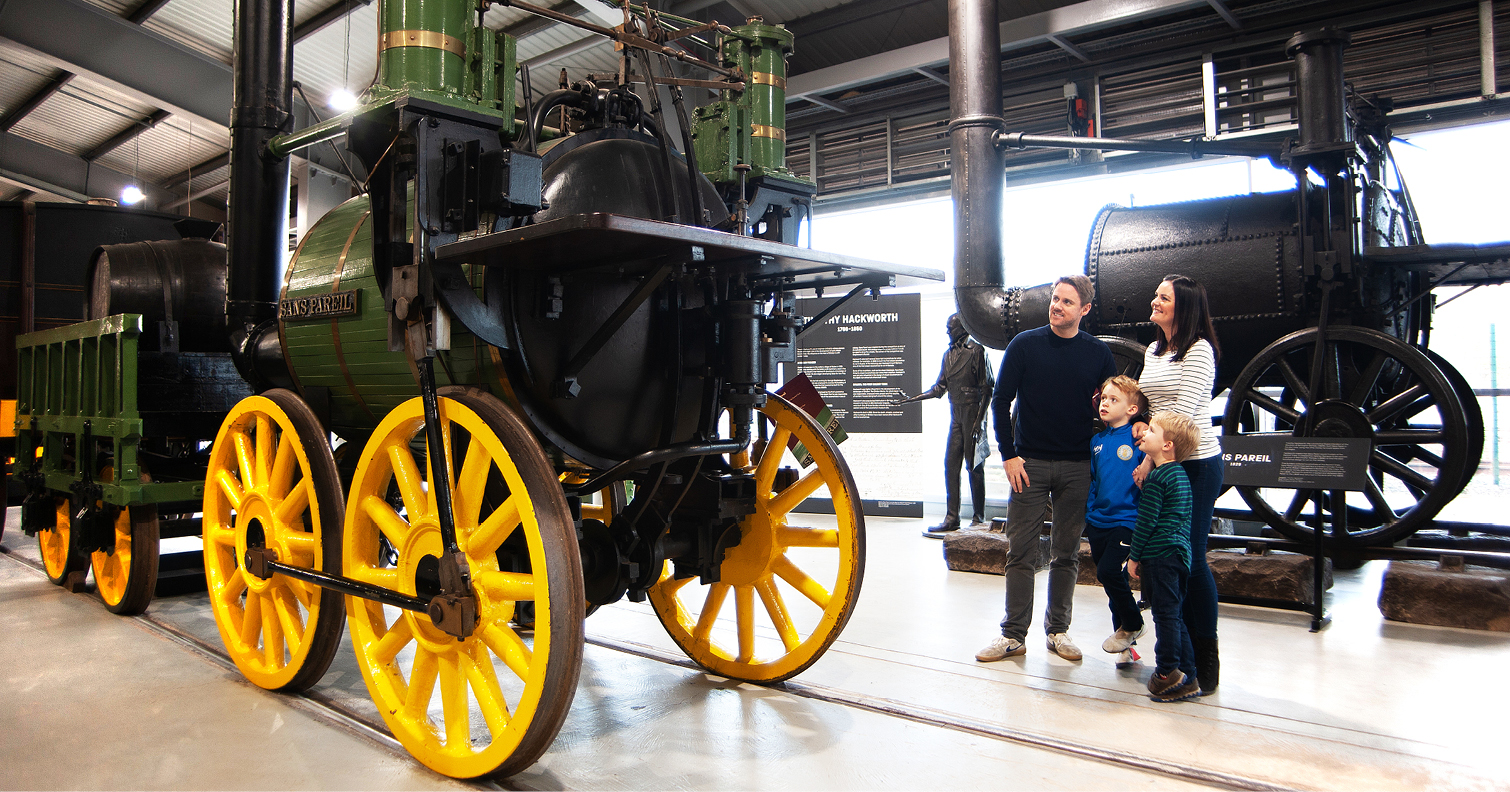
{"points": [[1208, 93], [1494, 402], [1488, 85], [812, 160], [28, 266], [890, 142]]}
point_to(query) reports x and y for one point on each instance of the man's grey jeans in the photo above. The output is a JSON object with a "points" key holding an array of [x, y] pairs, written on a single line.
{"points": [[1066, 484]]}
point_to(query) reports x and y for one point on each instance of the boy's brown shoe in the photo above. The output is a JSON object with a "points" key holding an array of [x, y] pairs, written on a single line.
{"points": [[1189, 689], [1159, 684]]}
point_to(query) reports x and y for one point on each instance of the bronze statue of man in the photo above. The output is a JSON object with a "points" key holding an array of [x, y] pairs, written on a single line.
{"points": [[966, 377]]}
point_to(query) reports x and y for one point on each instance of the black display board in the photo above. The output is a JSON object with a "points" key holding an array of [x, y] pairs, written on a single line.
{"points": [[1282, 461], [863, 357]]}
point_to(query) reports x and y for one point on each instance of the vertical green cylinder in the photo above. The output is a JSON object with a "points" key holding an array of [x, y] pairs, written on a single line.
{"points": [[766, 88], [423, 44]]}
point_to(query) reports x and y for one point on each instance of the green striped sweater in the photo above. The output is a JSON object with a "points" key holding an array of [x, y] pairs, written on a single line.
{"points": [[1164, 509]]}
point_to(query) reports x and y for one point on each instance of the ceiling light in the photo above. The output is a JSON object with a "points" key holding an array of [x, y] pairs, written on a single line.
{"points": [[342, 100], [132, 195]]}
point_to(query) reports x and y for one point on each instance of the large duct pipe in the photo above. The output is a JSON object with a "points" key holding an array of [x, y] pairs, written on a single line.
{"points": [[257, 222], [977, 168]]}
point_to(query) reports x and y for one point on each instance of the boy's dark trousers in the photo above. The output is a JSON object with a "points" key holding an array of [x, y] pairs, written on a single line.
{"points": [[1109, 549], [1164, 582]]}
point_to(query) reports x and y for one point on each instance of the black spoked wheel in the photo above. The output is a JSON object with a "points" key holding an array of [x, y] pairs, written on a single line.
{"points": [[1368, 385], [1128, 354]]}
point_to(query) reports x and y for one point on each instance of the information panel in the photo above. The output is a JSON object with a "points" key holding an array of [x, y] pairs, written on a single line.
{"points": [[863, 357], [1282, 461]]}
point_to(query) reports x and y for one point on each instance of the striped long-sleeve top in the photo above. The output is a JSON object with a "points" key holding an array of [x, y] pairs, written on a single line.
{"points": [[1185, 387], [1164, 508]]}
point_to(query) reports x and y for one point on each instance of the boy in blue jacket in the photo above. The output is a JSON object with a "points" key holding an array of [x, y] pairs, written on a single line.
{"points": [[1111, 510]]}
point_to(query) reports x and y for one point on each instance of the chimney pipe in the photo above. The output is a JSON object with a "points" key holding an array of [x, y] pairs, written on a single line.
{"points": [[977, 168], [257, 222]]}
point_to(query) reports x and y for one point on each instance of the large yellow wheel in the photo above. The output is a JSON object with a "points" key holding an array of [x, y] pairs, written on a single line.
{"points": [[806, 579], [501, 695], [59, 558], [272, 483]]}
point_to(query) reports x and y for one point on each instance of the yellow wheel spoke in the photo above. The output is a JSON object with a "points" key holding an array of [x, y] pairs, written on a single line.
{"points": [[230, 487], [220, 536], [410, 486], [386, 519], [304, 592], [289, 619], [712, 604], [453, 702], [744, 615], [392, 642], [672, 586], [302, 547], [506, 643], [495, 529], [776, 608], [485, 688], [284, 464], [421, 683], [288, 511], [765, 472], [246, 460], [511, 586], [235, 583], [264, 448], [387, 578], [797, 579], [783, 503], [470, 486], [806, 537], [272, 633], [251, 620]]}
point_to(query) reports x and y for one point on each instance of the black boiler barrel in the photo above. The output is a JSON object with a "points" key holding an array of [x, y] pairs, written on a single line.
{"points": [[180, 280], [1244, 249]]}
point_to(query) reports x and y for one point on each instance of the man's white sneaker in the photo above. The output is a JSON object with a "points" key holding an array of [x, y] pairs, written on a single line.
{"points": [[1060, 644], [1120, 640], [1000, 649]]}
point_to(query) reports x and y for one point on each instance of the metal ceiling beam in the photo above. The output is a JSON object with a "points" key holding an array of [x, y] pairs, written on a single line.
{"points": [[333, 13], [212, 164], [49, 170], [34, 101], [97, 42], [1064, 44], [932, 75], [1015, 33], [145, 10], [127, 135], [565, 51], [1224, 12], [829, 103]]}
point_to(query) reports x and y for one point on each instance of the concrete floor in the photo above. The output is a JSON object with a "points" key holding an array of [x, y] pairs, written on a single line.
{"points": [[95, 701]]}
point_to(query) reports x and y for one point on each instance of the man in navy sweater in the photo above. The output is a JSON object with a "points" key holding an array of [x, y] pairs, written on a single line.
{"points": [[1053, 374]]}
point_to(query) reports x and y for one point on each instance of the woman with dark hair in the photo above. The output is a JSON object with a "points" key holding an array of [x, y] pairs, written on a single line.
{"points": [[1179, 372]]}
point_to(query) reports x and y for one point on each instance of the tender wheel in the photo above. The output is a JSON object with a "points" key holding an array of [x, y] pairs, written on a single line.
{"points": [[503, 692], [1127, 353], [1372, 385], [59, 558], [806, 579], [272, 483], [127, 577]]}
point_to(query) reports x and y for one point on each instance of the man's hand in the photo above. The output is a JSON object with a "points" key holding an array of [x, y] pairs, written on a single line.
{"points": [[1016, 473], [1138, 428], [1132, 569], [1140, 473]]}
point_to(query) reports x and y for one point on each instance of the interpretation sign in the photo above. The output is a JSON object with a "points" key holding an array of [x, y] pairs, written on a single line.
{"points": [[1283, 461], [319, 306], [862, 356]]}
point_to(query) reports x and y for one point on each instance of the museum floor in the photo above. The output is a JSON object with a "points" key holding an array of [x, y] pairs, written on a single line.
{"points": [[95, 701]]}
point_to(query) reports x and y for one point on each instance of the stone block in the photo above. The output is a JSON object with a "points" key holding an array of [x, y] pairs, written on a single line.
{"points": [[985, 551], [1421, 593], [1286, 577]]}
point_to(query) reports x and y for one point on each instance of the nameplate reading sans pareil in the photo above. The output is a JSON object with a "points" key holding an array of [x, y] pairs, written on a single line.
{"points": [[319, 306]]}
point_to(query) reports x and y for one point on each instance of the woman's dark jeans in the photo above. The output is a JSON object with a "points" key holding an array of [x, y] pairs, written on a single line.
{"points": [[1200, 599]]}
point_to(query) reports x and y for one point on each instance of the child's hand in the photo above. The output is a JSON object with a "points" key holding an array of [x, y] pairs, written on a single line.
{"points": [[1140, 473], [1132, 568]]}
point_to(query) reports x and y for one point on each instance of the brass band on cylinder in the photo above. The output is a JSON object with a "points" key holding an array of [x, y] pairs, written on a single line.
{"points": [[422, 38], [766, 78], [761, 130]]}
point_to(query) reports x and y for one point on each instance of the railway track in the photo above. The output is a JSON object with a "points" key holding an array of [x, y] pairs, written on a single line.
{"points": [[366, 726]]}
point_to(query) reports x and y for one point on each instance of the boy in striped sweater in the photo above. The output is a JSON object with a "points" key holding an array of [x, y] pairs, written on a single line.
{"points": [[1160, 555]]}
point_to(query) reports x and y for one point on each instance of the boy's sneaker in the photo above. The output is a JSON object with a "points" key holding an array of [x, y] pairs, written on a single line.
{"points": [[1159, 684], [1120, 640], [1000, 649], [1060, 644], [1189, 689], [1127, 658]]}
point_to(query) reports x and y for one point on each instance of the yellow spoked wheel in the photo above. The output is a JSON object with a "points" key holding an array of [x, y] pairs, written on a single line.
{"points": [[806, 579], [59, 558], [127, 576], [494, 701], [272, 483]]}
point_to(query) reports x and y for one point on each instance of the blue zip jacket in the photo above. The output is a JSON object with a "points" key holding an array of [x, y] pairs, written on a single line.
{"points": [[1113, 500]]}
